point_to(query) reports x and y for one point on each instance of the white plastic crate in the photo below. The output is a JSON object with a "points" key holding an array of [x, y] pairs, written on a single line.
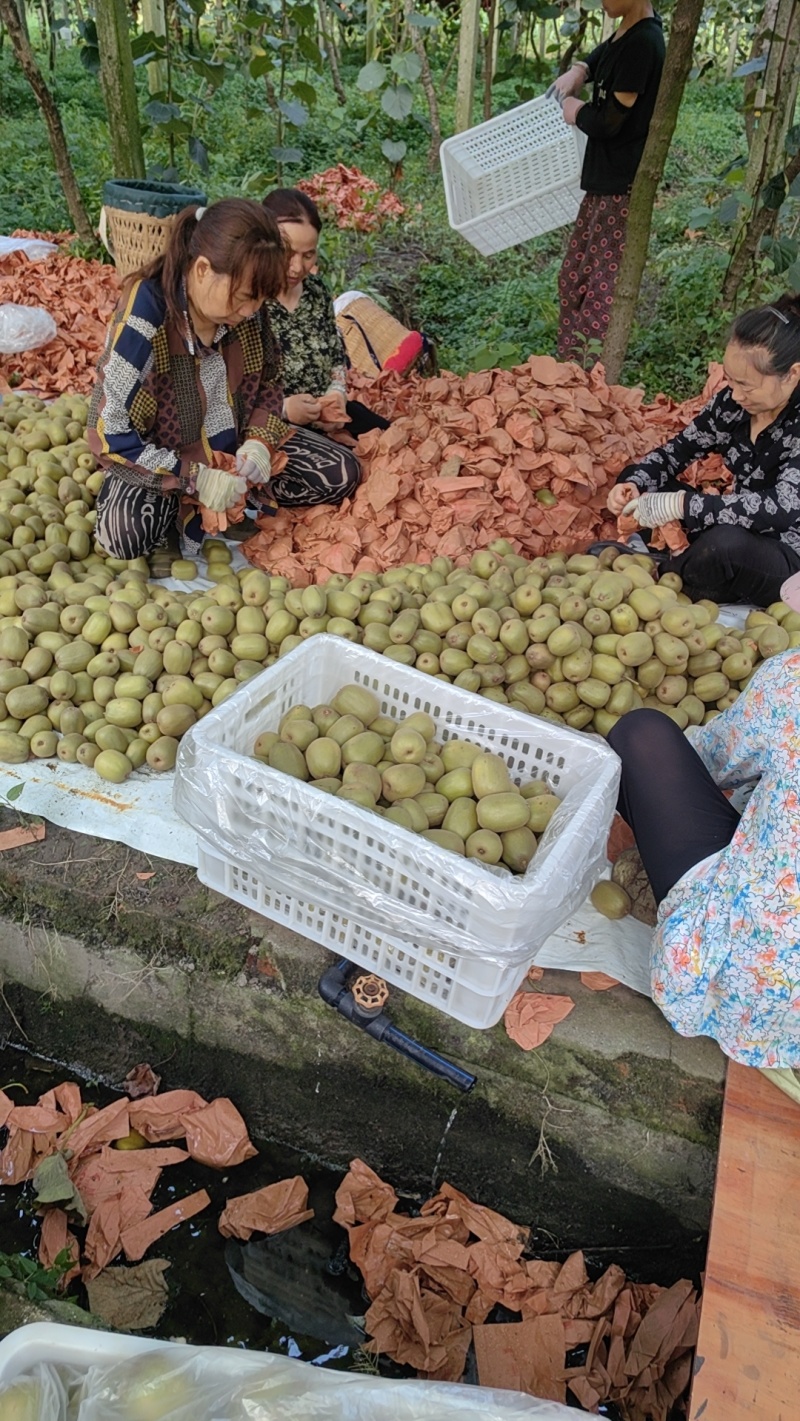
{"points": [[211, 1382], [513, 177], [446, 929]]}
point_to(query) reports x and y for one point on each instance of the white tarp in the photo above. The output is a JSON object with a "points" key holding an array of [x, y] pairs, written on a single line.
{"points": [[139, 813]]}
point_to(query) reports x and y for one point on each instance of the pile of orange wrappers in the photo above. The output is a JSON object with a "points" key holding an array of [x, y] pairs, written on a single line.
{"points": [[433, 1280], [96, 1170], [527, 454]]}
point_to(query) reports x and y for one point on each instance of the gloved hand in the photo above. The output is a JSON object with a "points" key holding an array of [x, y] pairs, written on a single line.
{"points": [[653, 510], [218, 490], [254, 462]]}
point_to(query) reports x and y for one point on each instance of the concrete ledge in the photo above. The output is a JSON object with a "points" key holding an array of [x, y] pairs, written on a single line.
{"points": [[103, 968]]}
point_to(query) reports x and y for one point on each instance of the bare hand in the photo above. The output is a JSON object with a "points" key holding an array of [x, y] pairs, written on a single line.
{"points": [[619, 495], [570, 83], [301, 409]]}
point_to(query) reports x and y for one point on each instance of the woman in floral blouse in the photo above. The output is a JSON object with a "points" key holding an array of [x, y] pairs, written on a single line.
{"points": [[301, 316], [744, 543], [725, 959]]}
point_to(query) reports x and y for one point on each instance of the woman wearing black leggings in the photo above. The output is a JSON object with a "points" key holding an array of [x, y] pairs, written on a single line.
{"points": [[725, 960]]}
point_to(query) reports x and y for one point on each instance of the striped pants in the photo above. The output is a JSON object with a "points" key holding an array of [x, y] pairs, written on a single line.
{"points": [[132, 521]]}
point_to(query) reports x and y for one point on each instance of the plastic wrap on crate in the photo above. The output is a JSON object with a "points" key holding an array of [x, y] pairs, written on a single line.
{"points": [[374, 873], [175, 1382]]}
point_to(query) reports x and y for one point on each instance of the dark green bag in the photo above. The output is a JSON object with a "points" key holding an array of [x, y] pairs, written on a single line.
{"points": [[147, 195]]}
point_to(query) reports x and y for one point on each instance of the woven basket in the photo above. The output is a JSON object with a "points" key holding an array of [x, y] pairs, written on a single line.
{"points": [[136, 238], [138, 215]]}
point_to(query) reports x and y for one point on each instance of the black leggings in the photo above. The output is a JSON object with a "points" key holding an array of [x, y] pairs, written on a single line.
{"points": [[667, 796], [363, 419], [730, 564]]}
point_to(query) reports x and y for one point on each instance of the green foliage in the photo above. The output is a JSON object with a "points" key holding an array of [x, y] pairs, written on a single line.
{"points": [[38, 1283], [261, 95]]}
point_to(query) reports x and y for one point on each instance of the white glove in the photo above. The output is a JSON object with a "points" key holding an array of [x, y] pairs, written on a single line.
{"points": [[254, 462], [653, 510], [218, 490]]}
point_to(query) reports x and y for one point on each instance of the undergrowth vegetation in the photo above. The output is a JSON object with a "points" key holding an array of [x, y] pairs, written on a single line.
{"points": [[480, 311]]}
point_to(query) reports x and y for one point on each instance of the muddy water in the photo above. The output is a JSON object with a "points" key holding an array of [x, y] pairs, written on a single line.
{"points": [[302, 1277], [307, 1294]]}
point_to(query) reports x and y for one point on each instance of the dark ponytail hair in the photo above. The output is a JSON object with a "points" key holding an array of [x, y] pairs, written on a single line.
{"points": [[238, 239], [771, 334], [289, 204]]}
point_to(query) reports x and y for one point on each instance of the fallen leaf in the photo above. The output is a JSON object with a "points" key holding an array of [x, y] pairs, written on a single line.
{"points": [[141, 1081], [143, 877], [52, 1185], [130, 1299]]}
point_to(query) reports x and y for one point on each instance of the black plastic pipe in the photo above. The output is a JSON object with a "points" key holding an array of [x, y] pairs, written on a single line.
{"points": [[334, 990]]}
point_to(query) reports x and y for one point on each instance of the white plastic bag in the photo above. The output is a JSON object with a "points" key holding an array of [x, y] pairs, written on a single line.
{"points": [[24, 328], [38, 1395], [179, 1383], [35, 249]]}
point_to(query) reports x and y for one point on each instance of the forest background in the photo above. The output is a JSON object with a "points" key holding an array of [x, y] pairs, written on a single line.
{"points": [[236, 97]]}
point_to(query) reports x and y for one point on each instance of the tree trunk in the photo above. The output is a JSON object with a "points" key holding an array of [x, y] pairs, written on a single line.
{"points": [[685, 21], [733, 45], [154, 19], [467, 56], [330, 51], [9, 14], [575, 43], [426, 79], [753, 82], [371, 31], [488, 59], [119, 88], [23, 18], [768, 148]]}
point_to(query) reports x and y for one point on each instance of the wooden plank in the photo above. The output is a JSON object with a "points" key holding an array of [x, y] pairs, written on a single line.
{"points": [[748, 1351]]}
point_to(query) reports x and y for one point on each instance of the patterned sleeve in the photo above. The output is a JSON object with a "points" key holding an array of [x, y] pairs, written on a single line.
{"points": [[694, 442], [122, 410], [338, 376], [772, 511], [265, 422], [735, 746]]}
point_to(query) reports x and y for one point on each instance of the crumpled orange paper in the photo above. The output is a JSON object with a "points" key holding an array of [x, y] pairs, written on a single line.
{"points": [[531, 1016], [270, 1210], [435, 1278], [137, 1238], [217, 1135]]}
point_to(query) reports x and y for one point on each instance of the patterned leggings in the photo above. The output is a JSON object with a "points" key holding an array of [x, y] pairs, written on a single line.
{"points": [[132, 521], [589, 274]]}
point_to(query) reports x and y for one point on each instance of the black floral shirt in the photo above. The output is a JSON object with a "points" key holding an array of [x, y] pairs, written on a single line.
{"points": [[765, 496], [312, 354]]}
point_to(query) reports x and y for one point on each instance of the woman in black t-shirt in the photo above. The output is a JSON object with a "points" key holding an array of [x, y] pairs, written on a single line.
{"points": [[625, 72]]}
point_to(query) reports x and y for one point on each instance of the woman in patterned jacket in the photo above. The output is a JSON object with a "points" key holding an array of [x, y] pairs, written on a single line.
{"points": [[742, 544], [725, 957], [301, 315], [187, 408]]}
